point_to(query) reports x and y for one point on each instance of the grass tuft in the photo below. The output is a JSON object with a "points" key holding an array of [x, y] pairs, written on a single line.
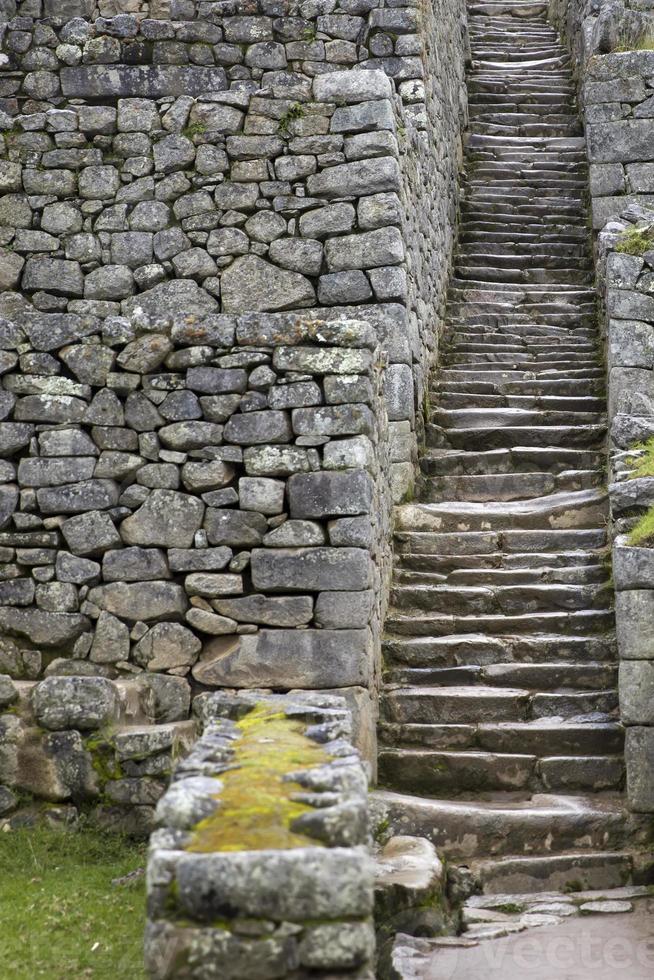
{"points": [[642, 465], [642, 535], [60, 916], [636, 241]]}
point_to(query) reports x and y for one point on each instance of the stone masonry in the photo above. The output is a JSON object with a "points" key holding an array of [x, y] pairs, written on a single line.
{"points": [[218, 226]]}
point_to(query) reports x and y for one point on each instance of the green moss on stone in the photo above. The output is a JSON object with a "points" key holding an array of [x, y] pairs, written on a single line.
{"points": [[636, 241], [256, 806]]}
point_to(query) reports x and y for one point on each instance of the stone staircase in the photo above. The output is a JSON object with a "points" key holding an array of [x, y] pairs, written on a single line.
{"points": [[500, 740]]}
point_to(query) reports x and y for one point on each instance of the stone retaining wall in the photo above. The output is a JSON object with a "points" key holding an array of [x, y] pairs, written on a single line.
{"points": [[187, 488], [627, 289], [616, 88], [262, 866]]}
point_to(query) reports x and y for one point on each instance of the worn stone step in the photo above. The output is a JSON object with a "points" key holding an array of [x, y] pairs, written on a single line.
{"points": [[510, 461], [582, 436], [467, 418], [563, 566], [433, 624], [538, 571], [509, 541], [507, 486], [461, 399], [453, 705], [535, 677], [557, 872], [484, 649], [508, 600], [457, 773], [533, 824], [453, 774], [582, 509], [538, 738], [535, 274]]}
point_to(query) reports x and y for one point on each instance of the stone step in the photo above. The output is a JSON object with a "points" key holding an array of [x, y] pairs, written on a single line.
{"points": [[507, 600], [501, 235], [494, 418], [563, 566], [510, 462], [505, 251], [516, 381], [482, 649], [581, 436], [513, 825], [546, 360], [456, 774], [460, 399], [535, 274], [558, 872], [582, 509], [479, 703], [507, 486], [507, 541], [543, 738], [535, 677], [538, 572], [418, 623]]}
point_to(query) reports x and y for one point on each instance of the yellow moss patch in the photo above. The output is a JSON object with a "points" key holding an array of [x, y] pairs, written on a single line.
{"points": [[256, 810]]}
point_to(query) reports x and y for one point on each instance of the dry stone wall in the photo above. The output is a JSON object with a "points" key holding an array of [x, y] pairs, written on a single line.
{"points": [[627, 289], [613, 42], [225, 230]]}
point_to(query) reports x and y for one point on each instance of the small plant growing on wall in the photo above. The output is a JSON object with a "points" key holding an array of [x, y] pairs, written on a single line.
{"points": [[636, 241]]}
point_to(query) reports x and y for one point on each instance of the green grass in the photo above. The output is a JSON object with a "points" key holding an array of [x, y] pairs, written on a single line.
{"points": [[642, 465], [60, 916], [643, 43], [642, 535], [636, 241]]}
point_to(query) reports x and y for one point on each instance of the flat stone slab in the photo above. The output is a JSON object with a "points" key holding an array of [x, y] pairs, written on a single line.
{"points": [[605, 908], [575, 949]]}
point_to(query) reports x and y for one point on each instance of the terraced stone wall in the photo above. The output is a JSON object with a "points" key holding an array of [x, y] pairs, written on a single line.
{"points": [[613, 43], [225, 232], [626, 281], [261, 865]]}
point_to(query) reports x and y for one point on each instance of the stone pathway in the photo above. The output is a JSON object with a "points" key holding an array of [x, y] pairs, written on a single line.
{"points": [[499, 733], [559, 937]]}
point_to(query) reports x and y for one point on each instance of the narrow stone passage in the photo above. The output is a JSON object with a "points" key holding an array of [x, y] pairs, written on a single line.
{"points": [[499, 732]]}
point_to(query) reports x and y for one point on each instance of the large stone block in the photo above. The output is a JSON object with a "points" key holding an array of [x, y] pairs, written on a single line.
{"points": [[639, 759], [352, 87], [631, 392], [631, 343], [636, 686], [287, 658], [43, 629], [310, 569], [251, 283], [633, 568], [295, 885], [167, 518], [623, 141], [331, 494], [356, 179], [634, 622], [75, 702], [146, 601], [144, 81]]}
